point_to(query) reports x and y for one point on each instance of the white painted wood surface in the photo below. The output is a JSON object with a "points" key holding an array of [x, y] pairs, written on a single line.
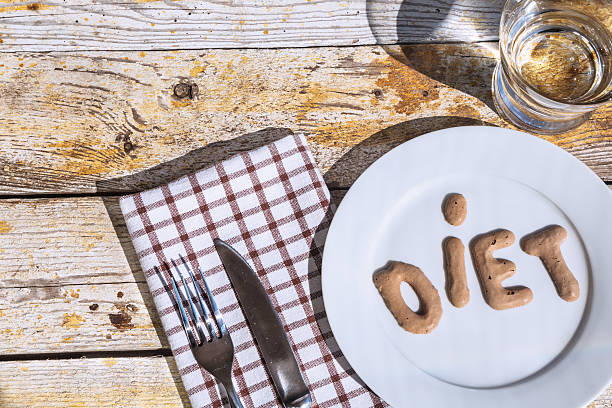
{"points": [[59, 25], [138, 382], [79, 318], [65, 241], [70, 280]]}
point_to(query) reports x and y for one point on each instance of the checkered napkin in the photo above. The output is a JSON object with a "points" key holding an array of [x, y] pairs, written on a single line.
{"points": [[272, 206]]}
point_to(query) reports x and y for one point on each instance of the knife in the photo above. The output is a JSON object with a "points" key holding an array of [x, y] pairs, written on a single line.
{"points": [[266, 328]]}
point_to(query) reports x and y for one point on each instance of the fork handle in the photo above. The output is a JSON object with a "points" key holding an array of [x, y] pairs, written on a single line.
{"points": [[234, 401]]}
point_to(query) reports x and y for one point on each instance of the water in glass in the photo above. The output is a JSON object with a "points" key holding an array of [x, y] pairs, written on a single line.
{"points": [[555, 68]]}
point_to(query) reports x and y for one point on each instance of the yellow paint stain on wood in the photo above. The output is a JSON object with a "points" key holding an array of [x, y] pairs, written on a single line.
{"points": [[464, 110], [109, 362], [180, 104], [407, 85], [72, 320], [67, 339], [337, 134], [113, 155], [196, 70], [14, 333], [25, 368], [5, 227], [29, 7], [315, 95]]}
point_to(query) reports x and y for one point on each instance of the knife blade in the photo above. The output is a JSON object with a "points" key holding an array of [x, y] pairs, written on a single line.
{"points": [[266, 328]]}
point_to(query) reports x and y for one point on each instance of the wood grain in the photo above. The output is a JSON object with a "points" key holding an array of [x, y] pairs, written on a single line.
{"points": [[108, 122], [151, 382], [73, 241], [70, 280], [65, 262], [79, 318], [57, 25], [50, 243]]}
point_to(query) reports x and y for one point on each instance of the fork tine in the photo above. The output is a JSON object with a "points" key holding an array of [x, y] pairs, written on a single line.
{"points": [[179, 301], [216, 311], [204, 308], [195, 314]]}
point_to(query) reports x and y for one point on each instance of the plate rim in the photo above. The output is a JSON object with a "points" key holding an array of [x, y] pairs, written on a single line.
{"points": [[462, 131]]}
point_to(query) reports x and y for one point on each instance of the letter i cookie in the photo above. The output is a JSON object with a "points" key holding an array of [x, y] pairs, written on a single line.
{"points": [[454, 209]]}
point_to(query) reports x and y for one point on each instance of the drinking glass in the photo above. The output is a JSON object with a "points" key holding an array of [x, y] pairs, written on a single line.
{"points": [[555, 65]]}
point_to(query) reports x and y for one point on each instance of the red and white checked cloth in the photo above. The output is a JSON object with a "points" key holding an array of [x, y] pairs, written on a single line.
{"points": [[272, 205]]}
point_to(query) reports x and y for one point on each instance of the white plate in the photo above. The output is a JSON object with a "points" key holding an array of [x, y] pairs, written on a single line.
{"points": [[548, 353]]}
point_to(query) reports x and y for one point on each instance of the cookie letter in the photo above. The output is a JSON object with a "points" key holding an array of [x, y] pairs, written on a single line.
{"points": [[454, 266], [492, 272], [454, 209], [546, 244], [388, 279]]}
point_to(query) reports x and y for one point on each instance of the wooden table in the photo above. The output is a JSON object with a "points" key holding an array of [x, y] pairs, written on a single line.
{"points": [[89, 111]]}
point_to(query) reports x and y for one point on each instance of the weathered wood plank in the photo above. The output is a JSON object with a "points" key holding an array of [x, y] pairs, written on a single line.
{"points": [[151, 382], [57, 25], [109, 122], [66, 282], [109, 382], [72, 241], [79, 318], [55, 242]]}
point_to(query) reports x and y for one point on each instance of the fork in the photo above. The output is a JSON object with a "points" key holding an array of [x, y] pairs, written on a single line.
{"points": [[209, 340]]}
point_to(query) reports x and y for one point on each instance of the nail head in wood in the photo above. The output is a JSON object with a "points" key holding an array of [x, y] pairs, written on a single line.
{"points": [[182, 90]]}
